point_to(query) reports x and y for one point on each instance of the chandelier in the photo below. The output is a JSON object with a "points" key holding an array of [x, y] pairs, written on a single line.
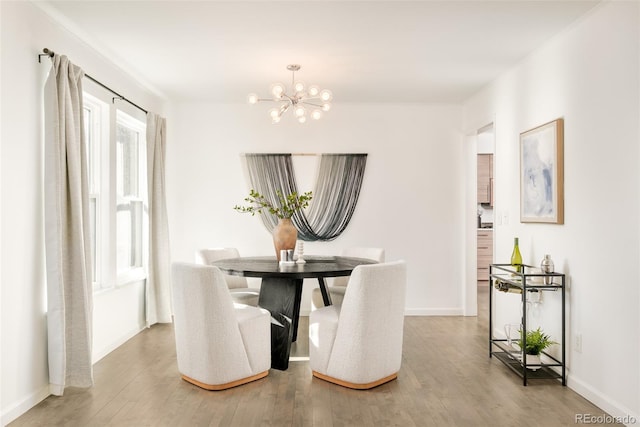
{"points": [[303, 101]]}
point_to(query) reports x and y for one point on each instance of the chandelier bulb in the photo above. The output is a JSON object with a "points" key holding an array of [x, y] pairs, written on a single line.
{"points": [[316, 114], [314, 90], [299, 87], [277, 89], [299, 111], [252, 98], [302, 119], [326, 95], [326, 106]]}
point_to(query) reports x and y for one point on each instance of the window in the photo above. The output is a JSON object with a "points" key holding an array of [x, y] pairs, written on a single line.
{"points": [[116, 168], [95, 128], [129, 137]]}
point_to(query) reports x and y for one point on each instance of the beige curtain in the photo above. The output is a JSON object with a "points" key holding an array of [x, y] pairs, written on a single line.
{"points": [[67, 238], [158, 289]]}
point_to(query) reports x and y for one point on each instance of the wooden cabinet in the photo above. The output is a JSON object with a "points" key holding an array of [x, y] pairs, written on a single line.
{"points": [[485, 254], [485, 179]]}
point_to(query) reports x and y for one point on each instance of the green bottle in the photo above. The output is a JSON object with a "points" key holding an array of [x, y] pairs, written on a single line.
{"points": [[516, 258]]}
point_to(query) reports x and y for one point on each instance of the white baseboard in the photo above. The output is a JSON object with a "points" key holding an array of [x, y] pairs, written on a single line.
{"points": [[614, 409], [433, 312], [23, 406], [417, 312], [100, 353]]}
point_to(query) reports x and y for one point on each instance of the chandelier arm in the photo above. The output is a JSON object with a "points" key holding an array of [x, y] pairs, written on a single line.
{"points": [[315, 99], [290, 98], [310, 103], [283, 109]]}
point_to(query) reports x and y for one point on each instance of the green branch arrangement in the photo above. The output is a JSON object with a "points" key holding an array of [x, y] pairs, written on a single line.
{"points": [[286, 207]]}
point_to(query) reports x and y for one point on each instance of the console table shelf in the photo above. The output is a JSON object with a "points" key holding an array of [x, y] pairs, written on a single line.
{"points": [[505, 278]]}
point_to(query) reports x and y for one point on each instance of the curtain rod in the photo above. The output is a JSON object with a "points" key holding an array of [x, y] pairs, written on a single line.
{"points": [[304, 154], [50, 54], [282, 154]]}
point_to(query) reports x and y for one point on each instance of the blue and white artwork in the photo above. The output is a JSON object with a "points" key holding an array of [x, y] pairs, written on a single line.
{"points": [[539, 179]]}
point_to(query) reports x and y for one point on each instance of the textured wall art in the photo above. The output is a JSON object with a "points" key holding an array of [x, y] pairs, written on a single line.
{"points": [[335, 194]]}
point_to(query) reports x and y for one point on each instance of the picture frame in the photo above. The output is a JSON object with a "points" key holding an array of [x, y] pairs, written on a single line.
{"points": [[542, 173]]}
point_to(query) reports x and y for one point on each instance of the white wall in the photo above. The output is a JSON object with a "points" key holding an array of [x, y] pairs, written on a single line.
{"points": [[589, 75], [410, 202], [25, 30]]}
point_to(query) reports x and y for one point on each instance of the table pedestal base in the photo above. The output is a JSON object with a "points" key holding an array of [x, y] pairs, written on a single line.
{"points": [[281, 335], [282, 298]]}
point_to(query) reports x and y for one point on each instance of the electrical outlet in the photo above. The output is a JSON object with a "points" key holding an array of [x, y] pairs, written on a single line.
{"points": [[577, 343]]}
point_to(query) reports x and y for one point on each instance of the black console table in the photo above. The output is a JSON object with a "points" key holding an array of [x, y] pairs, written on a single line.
{"points": [[505, 278]]}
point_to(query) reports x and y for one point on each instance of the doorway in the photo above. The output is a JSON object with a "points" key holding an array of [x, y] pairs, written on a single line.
{"points": [[485, 182], [479, 141]]}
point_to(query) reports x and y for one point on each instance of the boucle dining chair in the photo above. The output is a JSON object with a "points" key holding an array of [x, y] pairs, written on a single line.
{"points": [[359, 344], [238, 286], [219, 344], [339, 284]]}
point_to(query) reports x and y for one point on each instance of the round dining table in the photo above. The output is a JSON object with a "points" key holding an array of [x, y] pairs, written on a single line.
{"points": [[281, 291]]}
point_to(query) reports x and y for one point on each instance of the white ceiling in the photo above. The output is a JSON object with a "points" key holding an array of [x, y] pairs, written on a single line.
{"points": [[364, 51]]}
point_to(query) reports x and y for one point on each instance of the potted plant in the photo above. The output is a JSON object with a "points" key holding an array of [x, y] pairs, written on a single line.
{"points": [[285, 234], [534, 343]]}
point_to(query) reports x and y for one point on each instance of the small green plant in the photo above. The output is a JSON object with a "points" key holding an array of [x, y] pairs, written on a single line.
{"points": [[536, 341], [285, 208]]}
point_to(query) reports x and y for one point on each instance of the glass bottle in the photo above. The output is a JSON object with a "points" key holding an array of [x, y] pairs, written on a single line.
{"points": [[516, 258], [547, 267]]}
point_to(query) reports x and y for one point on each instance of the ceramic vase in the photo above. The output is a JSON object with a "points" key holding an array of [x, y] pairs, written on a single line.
{"points": [[285, 236]]}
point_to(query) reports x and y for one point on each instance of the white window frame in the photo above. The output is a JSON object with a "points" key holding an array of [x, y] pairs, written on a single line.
{"points": [[137, 272], [98, 132], [104, 111]]}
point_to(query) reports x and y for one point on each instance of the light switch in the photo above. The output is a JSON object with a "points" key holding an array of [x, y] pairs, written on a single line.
{"points": [[505, 218]]}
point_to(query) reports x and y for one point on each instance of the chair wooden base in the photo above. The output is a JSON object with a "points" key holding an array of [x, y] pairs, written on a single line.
{"points": [[218, 387], [355, 386]]}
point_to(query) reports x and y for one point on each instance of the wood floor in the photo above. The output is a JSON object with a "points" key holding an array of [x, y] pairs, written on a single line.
{"points": [[447, 379]]}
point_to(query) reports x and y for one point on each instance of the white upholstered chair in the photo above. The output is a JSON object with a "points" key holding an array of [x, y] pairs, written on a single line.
{"points": [[359, 344], [339, 284], [238, 286], [219, 344]]}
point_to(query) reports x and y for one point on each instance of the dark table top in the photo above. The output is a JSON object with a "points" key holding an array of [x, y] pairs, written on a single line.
{"points": [[315, 266]]}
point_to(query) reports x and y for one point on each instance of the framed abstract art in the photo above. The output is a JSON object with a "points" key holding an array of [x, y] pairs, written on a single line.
{"points": [[542, 173]]}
